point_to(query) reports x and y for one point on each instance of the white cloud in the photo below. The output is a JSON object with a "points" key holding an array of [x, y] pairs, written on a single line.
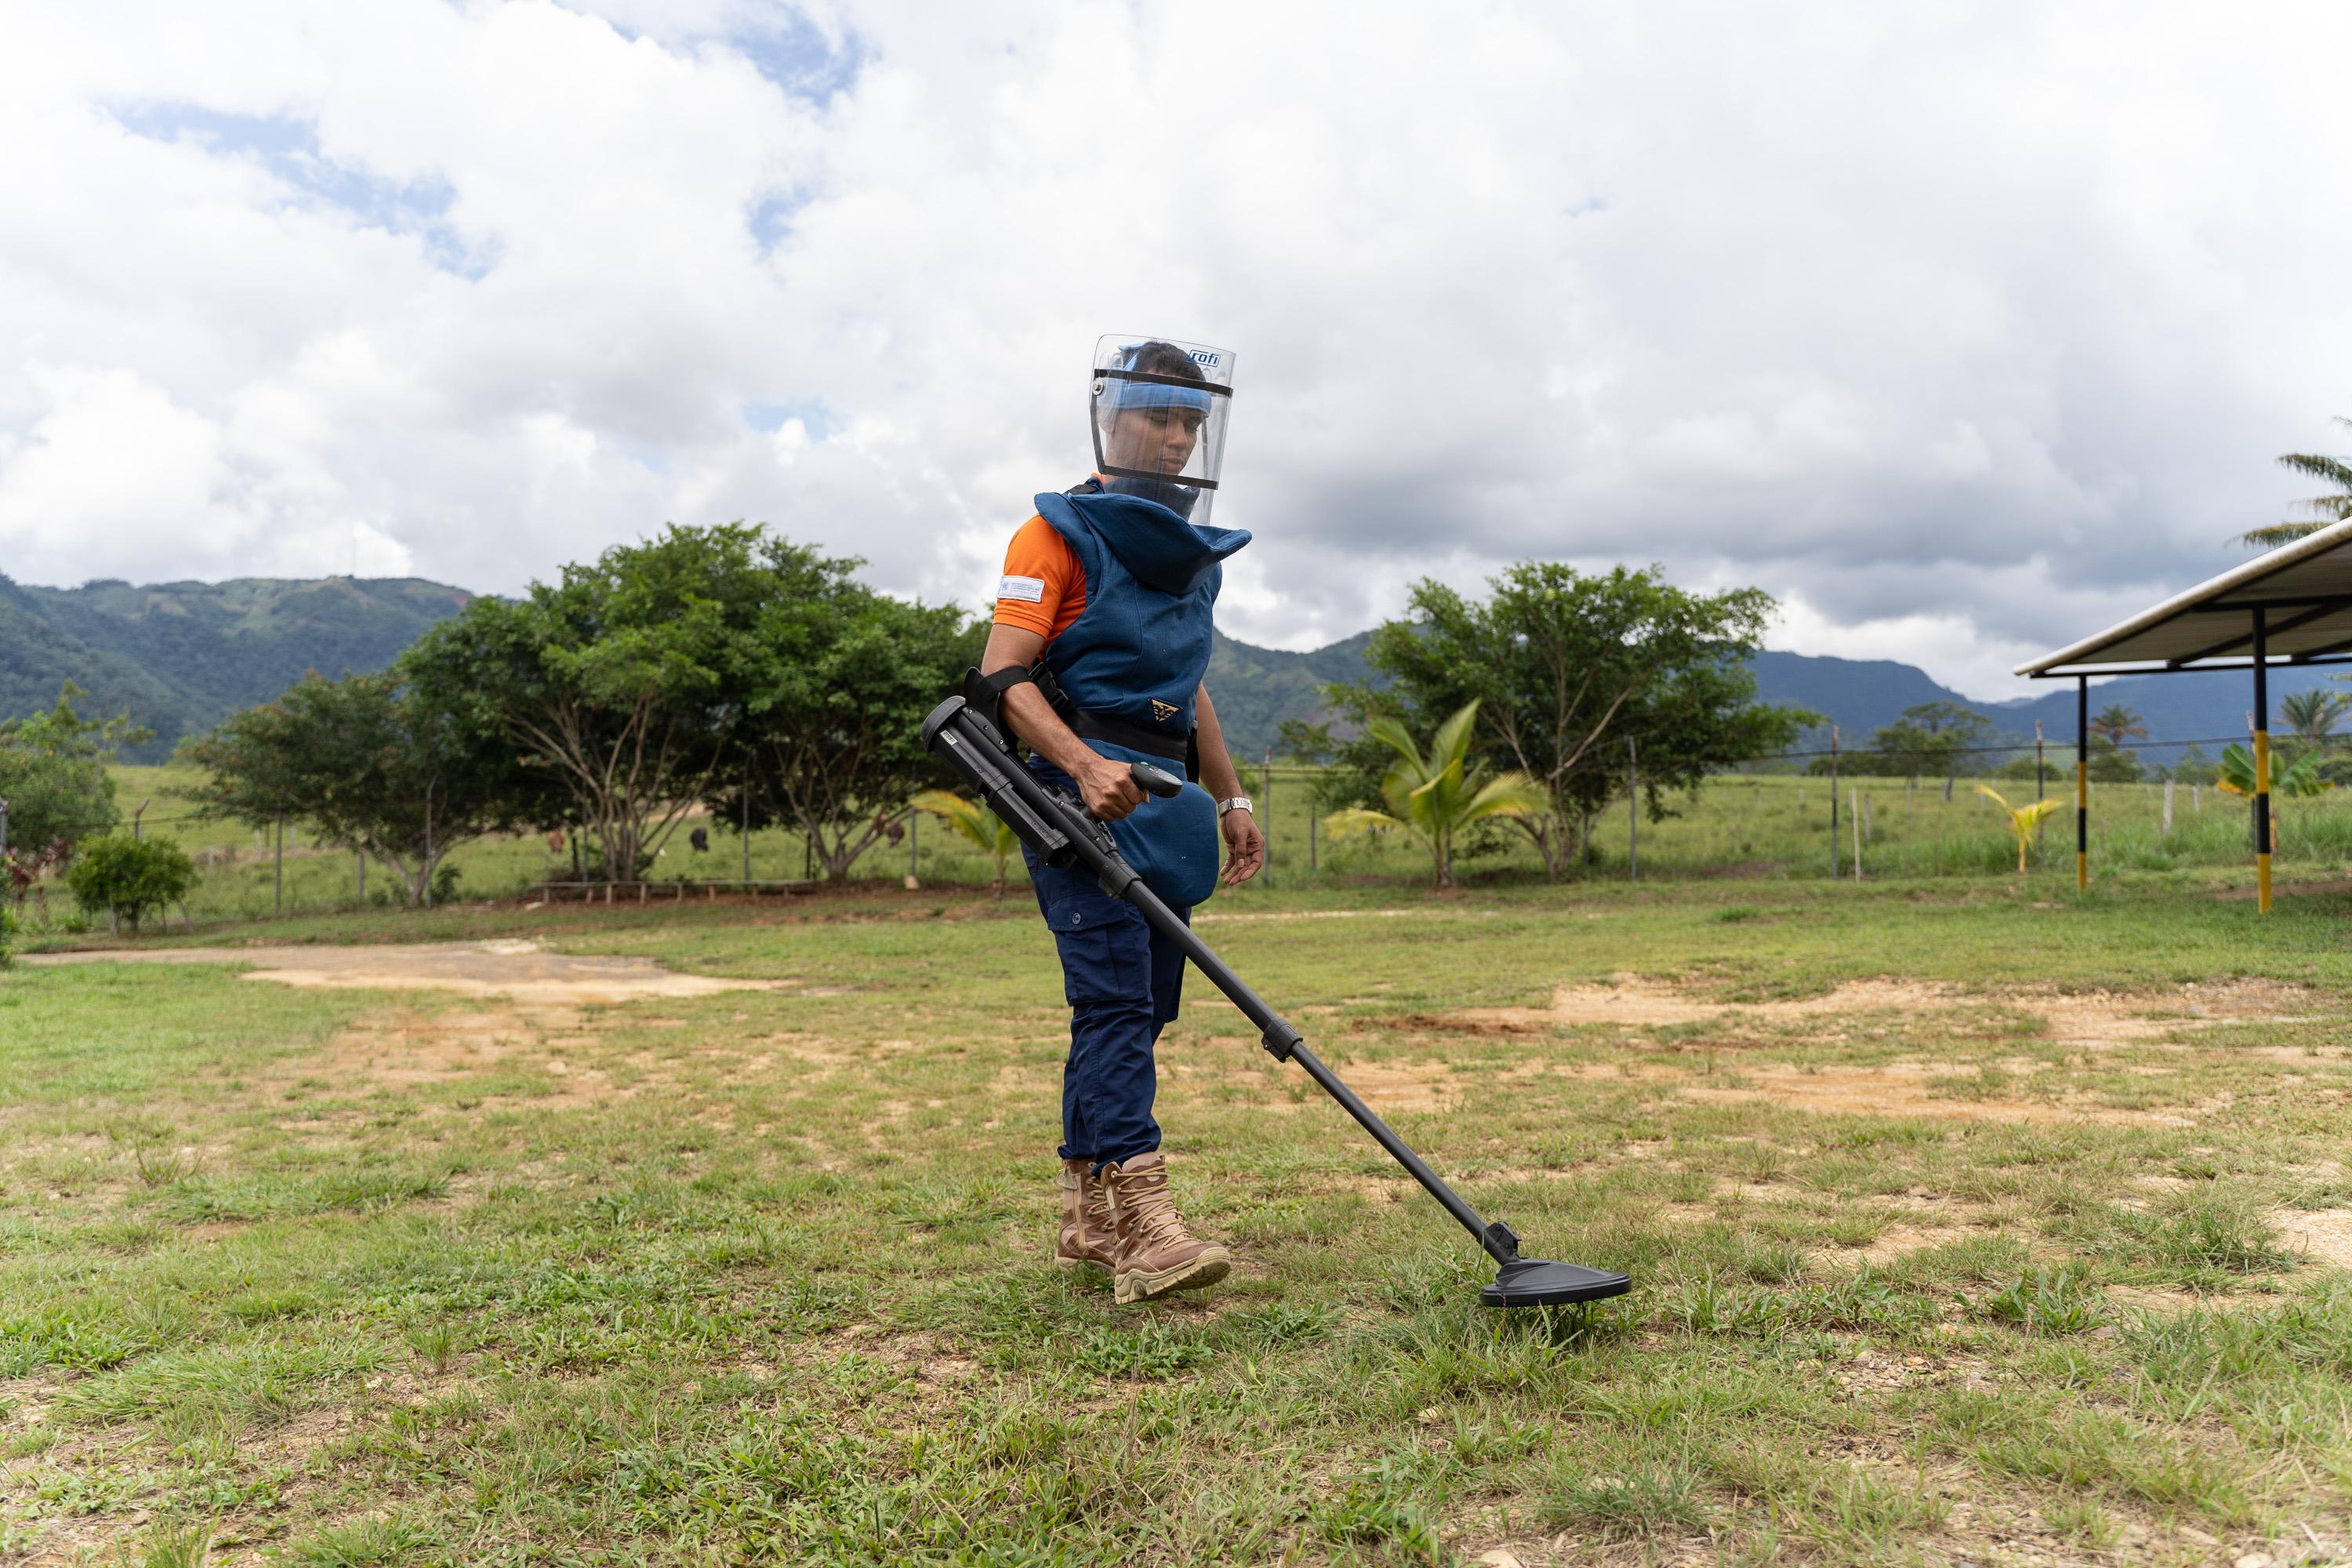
{"points": [[1958, 329]]}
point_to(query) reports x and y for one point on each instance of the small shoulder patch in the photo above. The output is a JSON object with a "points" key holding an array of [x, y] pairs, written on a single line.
{"points": [[1030, 590]]}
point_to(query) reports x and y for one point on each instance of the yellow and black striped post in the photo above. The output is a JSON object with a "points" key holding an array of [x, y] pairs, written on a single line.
{"points": [[2262, 764], [2082, 784]]}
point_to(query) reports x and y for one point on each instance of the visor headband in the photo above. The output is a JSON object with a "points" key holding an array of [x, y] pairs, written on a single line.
{"points": [[1183, 380]]}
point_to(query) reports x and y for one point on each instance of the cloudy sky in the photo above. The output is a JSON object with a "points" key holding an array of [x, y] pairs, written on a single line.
{"points": [[1963, 328]]}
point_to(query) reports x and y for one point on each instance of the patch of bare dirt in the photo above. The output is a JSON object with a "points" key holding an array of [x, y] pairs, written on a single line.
{"points": [[1907, 1090], [2324, 1235], [520, 970], [2091, 1018]]}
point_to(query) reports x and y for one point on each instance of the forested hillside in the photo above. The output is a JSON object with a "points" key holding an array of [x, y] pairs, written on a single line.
{"points": [[179, 657]]}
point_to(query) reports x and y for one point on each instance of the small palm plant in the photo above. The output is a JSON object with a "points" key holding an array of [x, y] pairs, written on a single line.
{"points": [[975, 822], [2296, 783], [2023, 819], [1435, 795]]}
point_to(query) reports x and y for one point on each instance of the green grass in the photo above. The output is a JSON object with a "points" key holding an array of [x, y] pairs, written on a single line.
{"points": [[281, 1280]]}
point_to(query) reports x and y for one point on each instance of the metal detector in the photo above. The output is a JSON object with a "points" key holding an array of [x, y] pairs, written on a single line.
{"points": [[1062, 833]]}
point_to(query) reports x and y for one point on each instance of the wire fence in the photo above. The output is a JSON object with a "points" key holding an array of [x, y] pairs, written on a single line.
{"points": [[1782, 830]]}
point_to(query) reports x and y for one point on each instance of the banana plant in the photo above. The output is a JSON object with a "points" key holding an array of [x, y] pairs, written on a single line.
{"points": [[1434, 795], [2296, 783], [2023, 819], [971, 821]]}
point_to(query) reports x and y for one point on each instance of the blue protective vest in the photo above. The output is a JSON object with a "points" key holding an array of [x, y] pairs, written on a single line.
{"points": [[1136, 652]]}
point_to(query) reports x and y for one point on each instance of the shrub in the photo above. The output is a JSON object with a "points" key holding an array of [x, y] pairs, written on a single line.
{"points": [[126, 877], [8, 933]]}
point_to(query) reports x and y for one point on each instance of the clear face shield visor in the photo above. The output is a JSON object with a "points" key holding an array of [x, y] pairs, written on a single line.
{"points": [[1159, 412]]}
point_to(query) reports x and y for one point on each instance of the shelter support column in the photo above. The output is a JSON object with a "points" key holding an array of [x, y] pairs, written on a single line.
{"points": [[2262, 764], [2082, 784]]}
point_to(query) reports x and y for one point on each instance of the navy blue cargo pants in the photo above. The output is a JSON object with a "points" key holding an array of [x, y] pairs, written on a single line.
{"points": [[1123, 982]]}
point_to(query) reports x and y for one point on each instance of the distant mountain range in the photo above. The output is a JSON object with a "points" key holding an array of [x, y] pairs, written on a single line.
{"points": [[180, 657]]}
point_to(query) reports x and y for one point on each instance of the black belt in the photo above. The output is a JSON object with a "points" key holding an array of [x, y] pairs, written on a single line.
{"points": [[1121, 732]]}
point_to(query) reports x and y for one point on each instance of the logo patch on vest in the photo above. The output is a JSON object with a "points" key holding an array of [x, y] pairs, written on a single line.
{"points": [[1162, 712]]}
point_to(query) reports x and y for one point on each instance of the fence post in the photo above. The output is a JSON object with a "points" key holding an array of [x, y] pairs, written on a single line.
{"points": [[747, 833], [1633, 810], [2166, 831], [1853, 810], [1833, 804], [277, 897], [361, 856], [135, 816], [914, 840]]}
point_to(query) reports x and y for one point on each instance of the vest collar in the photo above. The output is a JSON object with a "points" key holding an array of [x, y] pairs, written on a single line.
{"points": [[1159, 549]]}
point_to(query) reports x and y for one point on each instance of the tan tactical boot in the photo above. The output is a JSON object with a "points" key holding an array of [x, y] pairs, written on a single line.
{"points": [[1088, 1236], [1156, 1253]]}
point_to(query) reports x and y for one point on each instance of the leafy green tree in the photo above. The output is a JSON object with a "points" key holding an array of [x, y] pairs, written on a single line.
{"points": [[125, 877], [976, 824], [2194, 767], [1929, 738], [1564, 667], [622, 684], [2110, 763], [53, 774], [2320, 510], [1436, 795], [1306, 742], [371, 766], [835, 681]]}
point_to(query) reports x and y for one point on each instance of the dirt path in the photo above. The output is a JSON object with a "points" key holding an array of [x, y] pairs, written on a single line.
{"points": [[520, 970]]}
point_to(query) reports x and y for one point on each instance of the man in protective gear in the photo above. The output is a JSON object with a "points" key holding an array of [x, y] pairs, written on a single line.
{"points": [[1101, 637]]}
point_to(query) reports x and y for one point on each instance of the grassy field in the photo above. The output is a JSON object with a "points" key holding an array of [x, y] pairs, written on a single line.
{"points": [[1755, 828], [1971, 1221]]}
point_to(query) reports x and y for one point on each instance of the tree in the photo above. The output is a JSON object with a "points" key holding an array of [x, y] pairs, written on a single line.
{"points": [[53, 774], [2023, 819], [973, 822], [2314, 713], [2322, 510], [622, 685], [1564, 668], [2115, 723], [1932, 737], [1305, 741], [127, 877], [1435, 795], [836, 686], [2110, 763], [371, 765], [2312, 716]]}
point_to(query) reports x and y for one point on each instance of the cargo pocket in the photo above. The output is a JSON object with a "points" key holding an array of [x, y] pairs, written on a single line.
{"points": [[1105, 949]]}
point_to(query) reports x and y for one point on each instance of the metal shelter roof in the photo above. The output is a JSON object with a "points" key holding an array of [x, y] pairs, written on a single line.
{"points": [[2304, 590]]}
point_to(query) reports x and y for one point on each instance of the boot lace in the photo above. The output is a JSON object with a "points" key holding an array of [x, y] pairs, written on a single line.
{"points": [[1152, 1208]]}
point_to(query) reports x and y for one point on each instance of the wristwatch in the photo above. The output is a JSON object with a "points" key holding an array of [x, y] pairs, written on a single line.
{"points": [[1239, 803]]}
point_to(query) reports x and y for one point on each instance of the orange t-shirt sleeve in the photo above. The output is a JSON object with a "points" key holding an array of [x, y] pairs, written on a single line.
{"points": [[1043, 587]]}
